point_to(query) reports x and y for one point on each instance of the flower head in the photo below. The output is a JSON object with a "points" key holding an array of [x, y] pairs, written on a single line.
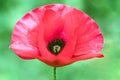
{"points": [[58, 35]]}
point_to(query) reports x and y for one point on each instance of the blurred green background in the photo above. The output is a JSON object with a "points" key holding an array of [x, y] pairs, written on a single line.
{"points": [[104, 12]]}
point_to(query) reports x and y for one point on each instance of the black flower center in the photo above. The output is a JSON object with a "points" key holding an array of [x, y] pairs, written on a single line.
{"points": [[56, 46]]}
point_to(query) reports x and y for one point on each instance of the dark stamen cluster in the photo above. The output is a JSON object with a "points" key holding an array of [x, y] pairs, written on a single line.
{"points": [[56, 46]]}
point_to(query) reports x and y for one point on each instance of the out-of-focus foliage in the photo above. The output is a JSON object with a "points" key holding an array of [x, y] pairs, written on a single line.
{"points": [[104, 12]]}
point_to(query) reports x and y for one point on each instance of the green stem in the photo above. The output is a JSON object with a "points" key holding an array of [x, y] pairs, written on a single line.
{"points": [[54, 73]]}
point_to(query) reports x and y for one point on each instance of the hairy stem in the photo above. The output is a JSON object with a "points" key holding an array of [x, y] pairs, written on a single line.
{"points": [[54, 73]]}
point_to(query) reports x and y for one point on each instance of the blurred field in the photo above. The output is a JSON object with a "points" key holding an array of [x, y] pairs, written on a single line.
{"points": [[104, 12]]}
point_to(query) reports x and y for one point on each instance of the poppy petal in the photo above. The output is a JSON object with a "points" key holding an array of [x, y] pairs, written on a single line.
{"points": [[52, 24], [90, 39], [24, 51], [22, 43], [86, 56], [71, 24]]}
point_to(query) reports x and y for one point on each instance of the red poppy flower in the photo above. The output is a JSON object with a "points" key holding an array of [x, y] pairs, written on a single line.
{"points": [[58, 35]]}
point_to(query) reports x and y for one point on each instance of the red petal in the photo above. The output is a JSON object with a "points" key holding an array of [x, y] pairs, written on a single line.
{"points": [[86, 56], [52, 24], [71, 21], [24, 37], [24, 51], [90, 39]]}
